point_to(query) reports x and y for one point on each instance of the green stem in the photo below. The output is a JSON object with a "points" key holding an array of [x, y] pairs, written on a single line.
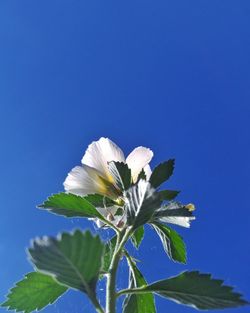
{"points": [[91, 295], [96, 304], [111, 295], [105, 221]]}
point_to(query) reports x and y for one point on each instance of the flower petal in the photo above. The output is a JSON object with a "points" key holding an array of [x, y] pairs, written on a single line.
{"points": [[138, 159], [107, 211], [83, 180], [183, 221], [148, 171], [99, 153]]}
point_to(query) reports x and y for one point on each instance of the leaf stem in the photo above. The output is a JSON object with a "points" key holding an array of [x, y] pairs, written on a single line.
{"points": [[107, 222], [96, 303], [111, 295], [132, 290], [129, 258]]}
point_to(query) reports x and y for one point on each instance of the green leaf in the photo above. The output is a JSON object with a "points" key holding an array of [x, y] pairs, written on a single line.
{"points": [[197, 290], [74, 259], [109, 251], [142, 175], [33, 293], [162, 173], [121, 174], [138, 236], [168, 194], [70, 205], [138, 303], [142, 201], [172, 242], [99, 201]]}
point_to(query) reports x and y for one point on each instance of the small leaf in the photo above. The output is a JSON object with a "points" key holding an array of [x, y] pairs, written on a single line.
{"points": [[162, 173], [70, 205], [142, 175], [141, 202], [121, 174], [74, 259], [164, 212], [138, 303], [197, 290], [33, 293], [168, 194], [172, 242], [138, 236]]}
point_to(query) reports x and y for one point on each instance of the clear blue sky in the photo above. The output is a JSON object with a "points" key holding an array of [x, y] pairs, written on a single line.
{"points": [[170, 75]]}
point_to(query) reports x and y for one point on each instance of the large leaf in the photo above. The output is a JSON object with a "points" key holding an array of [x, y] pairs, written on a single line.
{"points": [[168, 194], [141, 202], [121, 174], [99, 201], [162, 173], [138, 236], [172, 242], [33, 293], [138, 303], [197, 290], [74, 259], [70, 205], [108, 254]]}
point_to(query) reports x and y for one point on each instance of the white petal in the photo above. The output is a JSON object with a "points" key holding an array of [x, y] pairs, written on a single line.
{"points": [[99, 153], [83, 180], [138, 159], [183, 221], [106, 211], [148, 171]]}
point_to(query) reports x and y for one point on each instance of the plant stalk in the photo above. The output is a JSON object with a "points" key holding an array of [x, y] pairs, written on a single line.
{"points": [[111, 295]]}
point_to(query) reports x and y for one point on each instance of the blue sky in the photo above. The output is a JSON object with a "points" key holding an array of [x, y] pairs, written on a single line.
{"points": [[169, 75]]}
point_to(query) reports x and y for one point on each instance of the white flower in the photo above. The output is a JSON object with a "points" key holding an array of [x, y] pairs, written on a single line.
{"points": [[94, 176]]}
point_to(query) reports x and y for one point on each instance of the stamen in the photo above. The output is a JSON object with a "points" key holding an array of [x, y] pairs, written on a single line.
{"points": [[110, 217], [190, 207]]}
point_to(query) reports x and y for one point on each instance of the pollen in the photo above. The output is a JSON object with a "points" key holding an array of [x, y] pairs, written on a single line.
{"points": [[119, 201]]}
